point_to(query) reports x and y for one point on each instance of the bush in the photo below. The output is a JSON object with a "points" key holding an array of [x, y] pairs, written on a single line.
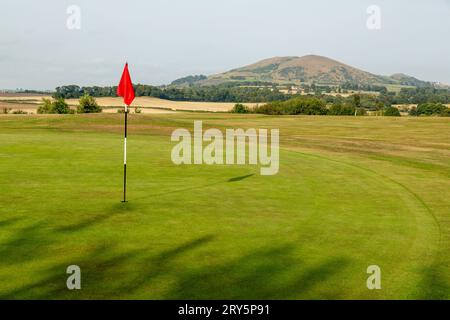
{"points": [[341, 110], [240, 108], [19, 112], [46, 107], [430, 109], [6, 110], [137, 110], [60, 106], [88, 105], [49, 107], [391, 112], [299, 105], [361, 112]]}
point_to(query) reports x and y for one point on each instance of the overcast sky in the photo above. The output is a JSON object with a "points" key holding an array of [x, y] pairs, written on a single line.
{"points": [[167, 39]]}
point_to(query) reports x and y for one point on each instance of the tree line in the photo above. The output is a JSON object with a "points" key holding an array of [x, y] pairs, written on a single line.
{"points": [[221, 93], [232, 92], [354, 105], [87, 104]]}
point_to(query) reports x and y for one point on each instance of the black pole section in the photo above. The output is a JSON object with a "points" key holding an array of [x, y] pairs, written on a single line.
{"points": [[125, 158]]}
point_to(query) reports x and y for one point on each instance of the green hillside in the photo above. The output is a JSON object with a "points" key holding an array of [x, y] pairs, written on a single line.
{"points": [[306, 69]]}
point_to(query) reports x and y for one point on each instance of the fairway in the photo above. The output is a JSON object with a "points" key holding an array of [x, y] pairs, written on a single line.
{"points": [[351, 192]]}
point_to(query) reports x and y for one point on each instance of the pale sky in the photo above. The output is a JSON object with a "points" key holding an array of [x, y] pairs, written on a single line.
{"points": [[167, 39]]}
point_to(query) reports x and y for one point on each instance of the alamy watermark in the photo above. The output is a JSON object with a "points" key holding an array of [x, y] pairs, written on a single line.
{"points": [[374, 280], [74, 280], [374, 19], [229, 148], [73, 21]]}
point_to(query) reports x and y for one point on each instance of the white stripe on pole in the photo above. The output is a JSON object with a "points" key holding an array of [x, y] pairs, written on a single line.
{"points": [[125, 151], [125, 143], [125, 156]]}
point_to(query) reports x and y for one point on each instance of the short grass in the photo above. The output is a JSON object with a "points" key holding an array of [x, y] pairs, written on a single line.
{"points": [[351, 192]]}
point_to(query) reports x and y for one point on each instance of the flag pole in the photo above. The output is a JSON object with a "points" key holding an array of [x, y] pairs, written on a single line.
{"points": [[125, 157], [125, 89]]}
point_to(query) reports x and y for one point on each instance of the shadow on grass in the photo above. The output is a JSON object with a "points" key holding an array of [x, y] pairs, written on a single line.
{"points": [[25, 245], [116, 209], [107, 273], [10, 221], [166, 255], [433, 285], [161, 194], [241, 178], [266, 274], [129, 207], [198, 187]]}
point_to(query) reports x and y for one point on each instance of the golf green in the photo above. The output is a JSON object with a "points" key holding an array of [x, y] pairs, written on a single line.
{"points": [[350, 193]]}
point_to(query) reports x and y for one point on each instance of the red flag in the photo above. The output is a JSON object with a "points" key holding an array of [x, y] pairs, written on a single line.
{"points": [[125, 88]]}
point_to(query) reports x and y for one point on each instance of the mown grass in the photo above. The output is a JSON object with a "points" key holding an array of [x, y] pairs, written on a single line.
{"points": [[351, 192]]}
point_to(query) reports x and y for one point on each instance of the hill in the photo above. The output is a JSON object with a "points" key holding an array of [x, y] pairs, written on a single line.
{"points": [[306, 69]]}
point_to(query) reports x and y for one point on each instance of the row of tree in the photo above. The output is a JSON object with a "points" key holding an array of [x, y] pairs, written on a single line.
{"points": [[221, 93], [87, 104], [312, 105], [232, 92], [430, 109], [420, 95]]}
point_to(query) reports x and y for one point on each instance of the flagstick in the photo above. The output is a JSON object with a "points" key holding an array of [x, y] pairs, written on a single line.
{"points": [[125, 157]]}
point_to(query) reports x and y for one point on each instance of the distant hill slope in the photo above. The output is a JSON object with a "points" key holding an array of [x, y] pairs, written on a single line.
{"points": [[189, 80], [306, 69]]}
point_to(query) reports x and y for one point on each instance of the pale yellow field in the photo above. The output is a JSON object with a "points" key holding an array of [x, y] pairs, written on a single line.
{"points": [[147, 104], [22, 97]]}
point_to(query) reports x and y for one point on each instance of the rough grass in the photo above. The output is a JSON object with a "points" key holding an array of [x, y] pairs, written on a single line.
{"points": [[351, 192]]}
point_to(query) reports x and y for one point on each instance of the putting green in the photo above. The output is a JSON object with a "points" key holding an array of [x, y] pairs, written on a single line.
{"points": [[205, 232]]}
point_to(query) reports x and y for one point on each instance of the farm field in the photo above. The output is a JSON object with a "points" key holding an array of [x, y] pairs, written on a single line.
{"points": [[148, 104], [351, 192], [156, 103]]}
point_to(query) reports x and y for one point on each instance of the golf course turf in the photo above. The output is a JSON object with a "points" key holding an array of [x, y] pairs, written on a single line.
{"points": [[351, 192]]}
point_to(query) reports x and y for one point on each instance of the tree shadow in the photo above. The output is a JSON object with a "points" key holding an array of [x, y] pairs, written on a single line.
{"points": [[236, 179], [53, 282], [433, 285], [83, 224], [116, 209], [266, 274], [112, 272], [161, 194], [10, 221], [105, 274], [109, 273], [168, 254], [198, 187], [27, 244]]}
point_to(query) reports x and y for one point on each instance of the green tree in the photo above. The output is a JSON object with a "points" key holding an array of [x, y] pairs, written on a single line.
{"points": [[339, 109], [357, 101], [46, 107], [430, 109], [391, 112], [380, 108], [87, 104], [360, 112], [60, 106], [240, 108]]}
